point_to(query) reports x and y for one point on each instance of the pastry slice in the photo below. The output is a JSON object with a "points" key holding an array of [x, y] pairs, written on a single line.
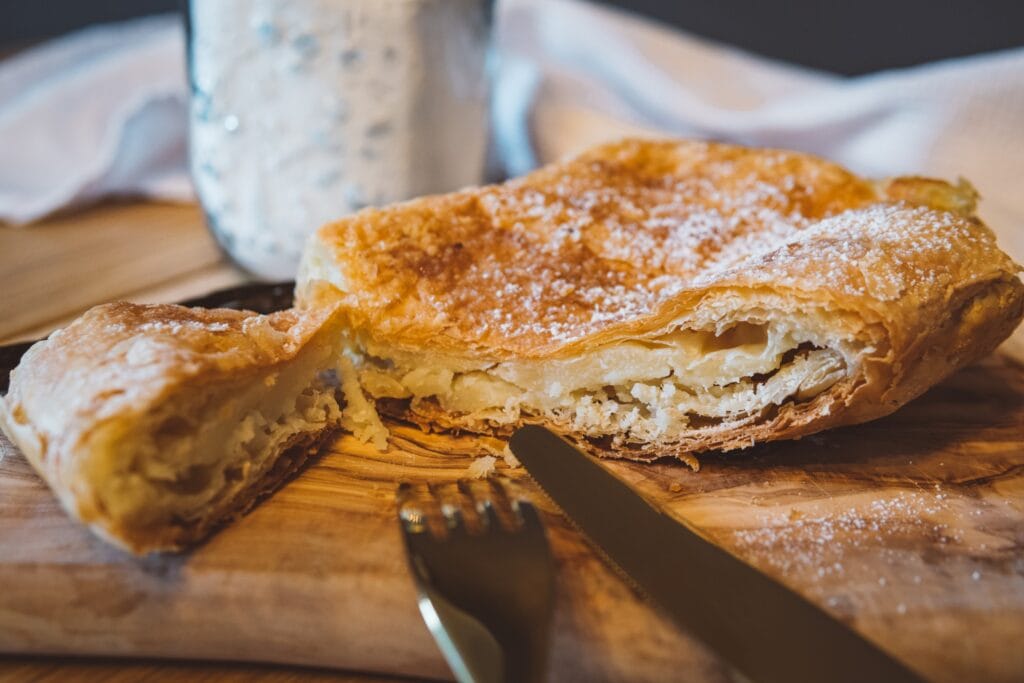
{"points": [[655, 298], [155, 424]]}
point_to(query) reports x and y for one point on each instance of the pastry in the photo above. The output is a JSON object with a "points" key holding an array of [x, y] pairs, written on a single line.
{"points": [[653, 298], [646, 299], [155, 424]]}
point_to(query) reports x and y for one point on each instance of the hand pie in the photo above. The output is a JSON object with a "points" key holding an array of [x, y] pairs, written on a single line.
{"points": [[154, 424], [665, 297]]}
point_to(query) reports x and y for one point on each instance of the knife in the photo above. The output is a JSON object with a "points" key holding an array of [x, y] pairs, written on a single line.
{"points": [[768, 632]]}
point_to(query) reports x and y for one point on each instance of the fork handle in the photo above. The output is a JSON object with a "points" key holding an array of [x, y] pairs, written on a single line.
{"points": [[504, 651]]}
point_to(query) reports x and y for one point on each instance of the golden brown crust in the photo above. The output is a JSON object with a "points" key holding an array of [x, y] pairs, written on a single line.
{"points": [[634, 236], [120, 361], [636, 232]]}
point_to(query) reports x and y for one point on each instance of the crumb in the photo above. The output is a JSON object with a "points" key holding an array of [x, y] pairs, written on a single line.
{"points": [[500, 449], [482, 467], [510, 458], [360, 414], [675, 487]]}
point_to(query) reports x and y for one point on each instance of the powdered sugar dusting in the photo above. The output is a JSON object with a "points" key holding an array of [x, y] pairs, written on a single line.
{"points": [[880, 251], [815, 544], [615, 235], [182, 326]]}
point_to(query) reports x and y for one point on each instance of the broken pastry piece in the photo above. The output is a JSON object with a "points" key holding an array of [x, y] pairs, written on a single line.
{"points": [[155, 424], [654, 298]]}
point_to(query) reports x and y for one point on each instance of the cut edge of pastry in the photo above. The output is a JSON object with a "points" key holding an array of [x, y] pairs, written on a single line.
{"points": [[700, 384], [163, 474], [178, 472], [737, 366], [695, 373], [730, 366]]}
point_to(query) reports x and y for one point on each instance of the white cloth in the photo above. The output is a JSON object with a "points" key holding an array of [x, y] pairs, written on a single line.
{"points": [[104, 111], [597, 74], [101, 112]]}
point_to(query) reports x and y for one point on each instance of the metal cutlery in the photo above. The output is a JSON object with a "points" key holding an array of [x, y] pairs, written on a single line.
{"points": [[768, 632], [485, 576]]}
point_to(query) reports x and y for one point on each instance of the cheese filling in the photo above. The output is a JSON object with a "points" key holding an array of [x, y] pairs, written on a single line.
{"points": [[638, 390], [201, 451]]}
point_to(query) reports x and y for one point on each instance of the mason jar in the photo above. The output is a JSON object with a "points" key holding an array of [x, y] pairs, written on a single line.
{"points": [[304, 111]]}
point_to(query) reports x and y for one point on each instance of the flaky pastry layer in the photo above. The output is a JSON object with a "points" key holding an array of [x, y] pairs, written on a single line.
{"points": [[647, 298], [155, 424], [665, 297]]}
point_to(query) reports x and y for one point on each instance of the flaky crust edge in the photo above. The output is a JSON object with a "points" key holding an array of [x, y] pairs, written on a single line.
{"points": [[58, 459], [982, 316], [927, 335]]}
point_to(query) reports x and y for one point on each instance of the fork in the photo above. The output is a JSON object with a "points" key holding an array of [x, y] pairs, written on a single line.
{"points": [[486, 588]]}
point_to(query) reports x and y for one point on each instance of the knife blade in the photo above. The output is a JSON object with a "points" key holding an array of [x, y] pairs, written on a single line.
{"points": [[768, 632]]}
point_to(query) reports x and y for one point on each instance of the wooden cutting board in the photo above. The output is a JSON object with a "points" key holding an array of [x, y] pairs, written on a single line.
{"points": [[910, 528]]}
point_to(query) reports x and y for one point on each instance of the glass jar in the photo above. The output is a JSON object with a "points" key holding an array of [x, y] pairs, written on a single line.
{"points": [[306, 110]]}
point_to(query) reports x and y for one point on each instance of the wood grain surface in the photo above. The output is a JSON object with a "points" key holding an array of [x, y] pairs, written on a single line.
{"points": [[51, 272], [146, 252], [910, 528], [22, 669]]}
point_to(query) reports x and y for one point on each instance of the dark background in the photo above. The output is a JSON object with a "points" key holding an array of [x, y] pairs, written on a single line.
{"points": [[848, 37]]}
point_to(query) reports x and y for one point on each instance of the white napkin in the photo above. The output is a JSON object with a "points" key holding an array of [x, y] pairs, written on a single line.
{"points": [[100, 112], [104, 111], [596, 74]]}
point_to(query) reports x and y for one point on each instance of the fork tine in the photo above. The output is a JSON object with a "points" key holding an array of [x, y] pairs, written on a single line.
{"points": [[412, 515], [527, 513], [514, 502], [509, 496], [483, 501], [483, 515], [451, 508], [461, 575], [488, 514]]}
